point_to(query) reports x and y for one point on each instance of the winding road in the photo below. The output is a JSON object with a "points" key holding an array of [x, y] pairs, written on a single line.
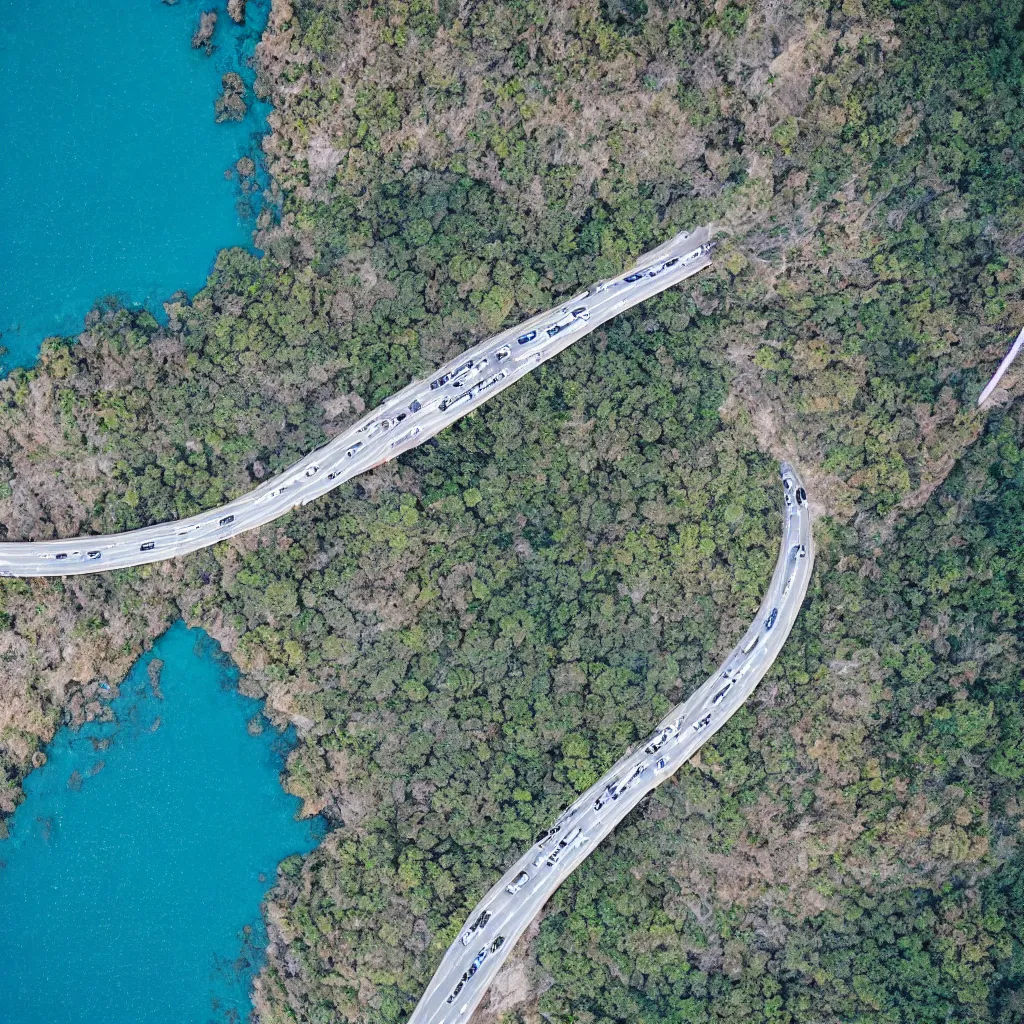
{"points": [[500, 918], [405, 420]]}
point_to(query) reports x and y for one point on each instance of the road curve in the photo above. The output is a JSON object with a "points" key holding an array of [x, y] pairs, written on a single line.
{"points": [[499, 919], [405, 420]]}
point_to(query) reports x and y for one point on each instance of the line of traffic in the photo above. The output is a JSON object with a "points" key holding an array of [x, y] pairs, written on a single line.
{"points": [[405, 420], [500, 918]]}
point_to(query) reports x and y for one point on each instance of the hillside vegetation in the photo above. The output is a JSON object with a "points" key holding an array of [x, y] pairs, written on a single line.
{"points": [[468, 638]]}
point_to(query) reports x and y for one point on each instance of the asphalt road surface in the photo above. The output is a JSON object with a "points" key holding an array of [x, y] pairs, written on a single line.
{"points": [[495, 924], [404, 421]]}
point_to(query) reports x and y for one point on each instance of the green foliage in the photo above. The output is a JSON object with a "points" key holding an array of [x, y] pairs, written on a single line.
{"points": [[470, 637]]}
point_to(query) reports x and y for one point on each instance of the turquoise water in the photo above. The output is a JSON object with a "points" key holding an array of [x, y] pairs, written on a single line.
{"points": [[133, 872], [111, 164]]}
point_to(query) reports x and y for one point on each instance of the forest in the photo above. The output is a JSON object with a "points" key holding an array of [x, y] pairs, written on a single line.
{"points": [[467, 638]]}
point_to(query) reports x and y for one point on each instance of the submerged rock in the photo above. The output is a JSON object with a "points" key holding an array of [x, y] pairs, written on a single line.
{"points": [[153, 670], [236, 11], [203, 35], [230, 104]]}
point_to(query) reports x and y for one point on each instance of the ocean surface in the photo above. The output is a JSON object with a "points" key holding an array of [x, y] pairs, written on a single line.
{"points": [[130, 887], [111, 165]]}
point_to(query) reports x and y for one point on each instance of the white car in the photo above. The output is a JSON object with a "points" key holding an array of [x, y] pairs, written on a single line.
{"points": [[517, 883]]}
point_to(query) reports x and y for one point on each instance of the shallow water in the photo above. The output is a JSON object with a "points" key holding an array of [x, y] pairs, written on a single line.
{"points": [[134, 868], [111, 164]]}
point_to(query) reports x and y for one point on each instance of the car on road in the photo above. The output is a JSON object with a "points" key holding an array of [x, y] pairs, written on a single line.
{"points": [[659, 764], [477, 961], [275, 492], [548, 834], [702, 724], [608, 794], [563, 846], [226, 520], [485, 384], [480, 922], [801, 496], [517, 883], [148, 546], [502, 353], [720, 695], [770, 621], [659, 741], [452, 400], [497, 943], [93, 555], [469, 369], [566, 840], [407, 436], [525, 339], [353, 449]]}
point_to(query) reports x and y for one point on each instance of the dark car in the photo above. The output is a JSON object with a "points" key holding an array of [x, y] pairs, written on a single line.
{"points": [[801, 496], [658, 742], [770, 621], [148, 546], [525, 339], [547, 834], [718, 697], [93, 555], [497, 943], [557, 329], [226, 520], [454, 400]]}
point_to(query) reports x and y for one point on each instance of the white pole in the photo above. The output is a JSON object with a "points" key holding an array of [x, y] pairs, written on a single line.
{"points": [[1003, 367]]}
